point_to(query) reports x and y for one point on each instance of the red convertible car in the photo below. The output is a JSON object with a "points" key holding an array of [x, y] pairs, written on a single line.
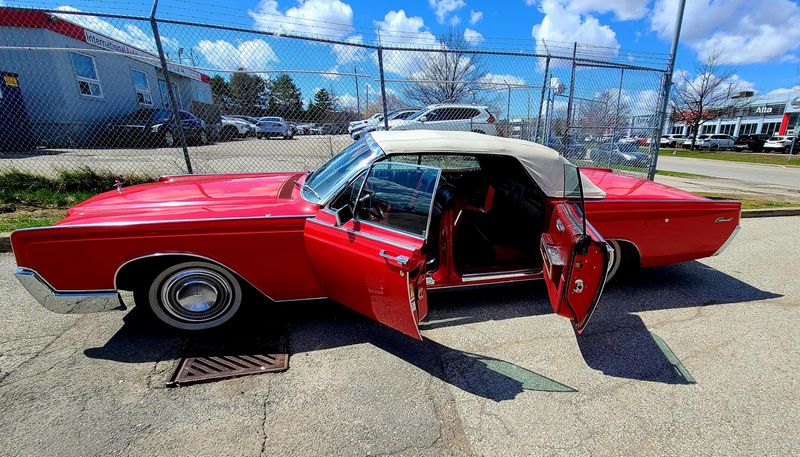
{"points": [[392, 216]]}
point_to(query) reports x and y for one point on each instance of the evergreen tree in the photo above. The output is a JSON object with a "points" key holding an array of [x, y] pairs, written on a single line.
{"points": [[285, 98], [321, 106], [247, 92]]}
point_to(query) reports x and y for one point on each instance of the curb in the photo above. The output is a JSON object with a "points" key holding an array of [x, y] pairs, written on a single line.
{"points": [[776, 212], [5, 237]]}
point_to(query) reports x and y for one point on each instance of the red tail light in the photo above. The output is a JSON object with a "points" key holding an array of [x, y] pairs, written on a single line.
{"points": [[491, 119]]}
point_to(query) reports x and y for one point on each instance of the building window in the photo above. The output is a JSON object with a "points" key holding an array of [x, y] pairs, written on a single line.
{"points": [[727, 129], [162, 87], [748, 129], [708, 129], [86, 74], [677, 130], [200, 95], [142, 86], [769, 128]]}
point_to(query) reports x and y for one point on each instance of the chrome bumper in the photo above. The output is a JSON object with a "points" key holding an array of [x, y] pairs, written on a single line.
{"points": [[68, 302], [728, 241]]}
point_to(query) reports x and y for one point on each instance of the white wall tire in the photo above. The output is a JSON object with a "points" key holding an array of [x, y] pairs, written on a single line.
{"points": [[194, 296], [615, 259]]}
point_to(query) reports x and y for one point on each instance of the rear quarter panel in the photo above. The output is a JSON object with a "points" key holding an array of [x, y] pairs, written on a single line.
{"points": [[666, 231], [269, 253]]}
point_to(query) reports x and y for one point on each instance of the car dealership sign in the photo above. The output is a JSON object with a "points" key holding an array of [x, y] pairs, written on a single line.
{"points": [[109, 44]]}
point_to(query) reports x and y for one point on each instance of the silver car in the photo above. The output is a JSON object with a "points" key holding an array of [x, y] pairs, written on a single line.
{"points": [[273, 126]]}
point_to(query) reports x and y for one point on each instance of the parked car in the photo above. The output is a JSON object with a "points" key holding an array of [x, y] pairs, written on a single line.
{"points": [[574, 149], [273, 126], [372, 229], [468, 118], [305, 129], [399, 114], [687, 143], [154, 126], [670, 141], [753, 143], [374, 119], [234, 127], [715, 142], [249, 119], [780, 143], [610, 154]]}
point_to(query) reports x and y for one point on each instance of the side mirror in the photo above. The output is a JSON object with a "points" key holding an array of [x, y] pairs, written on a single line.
{"points": [[423, 118], [343, 214]]}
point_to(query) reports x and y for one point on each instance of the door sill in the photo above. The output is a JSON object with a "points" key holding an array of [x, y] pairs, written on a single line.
{"points": [[498, 275]]}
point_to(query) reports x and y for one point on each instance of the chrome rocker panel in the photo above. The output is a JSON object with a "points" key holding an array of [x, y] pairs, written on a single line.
{"points": [[68, 302]]}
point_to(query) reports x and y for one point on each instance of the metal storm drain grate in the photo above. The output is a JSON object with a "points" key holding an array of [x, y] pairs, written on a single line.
{"points": [[192, 370]]}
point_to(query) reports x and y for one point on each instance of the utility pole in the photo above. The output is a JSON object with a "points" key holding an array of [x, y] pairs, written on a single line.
{"points": [[667, 85], [358, 98]]}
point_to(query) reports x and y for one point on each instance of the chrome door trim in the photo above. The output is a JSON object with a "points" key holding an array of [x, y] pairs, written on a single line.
{"points": [[362, 234], [467, 278], [125, 224]]}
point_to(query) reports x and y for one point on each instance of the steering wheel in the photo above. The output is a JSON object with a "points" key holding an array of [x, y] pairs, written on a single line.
{"points": [[375, 208]]}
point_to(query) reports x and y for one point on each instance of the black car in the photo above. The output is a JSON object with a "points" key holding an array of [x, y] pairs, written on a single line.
{"points": [[610, 154], [753, 143], [153, 126]]}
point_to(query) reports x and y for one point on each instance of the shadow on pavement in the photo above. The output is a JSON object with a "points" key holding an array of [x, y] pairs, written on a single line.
{"points": [[616, 342]]}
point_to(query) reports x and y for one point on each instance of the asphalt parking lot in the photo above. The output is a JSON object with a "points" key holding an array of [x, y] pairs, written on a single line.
{"points": [[700, 358], [239, 155]]}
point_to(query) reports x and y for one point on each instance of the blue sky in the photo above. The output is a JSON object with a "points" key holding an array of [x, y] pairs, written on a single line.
{"points": [[759, 38]]}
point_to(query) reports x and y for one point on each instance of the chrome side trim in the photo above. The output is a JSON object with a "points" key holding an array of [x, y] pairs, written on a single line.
{"points": [[434, 288], [728, 241], [124, 224], [207, 259], [362, 234], [90, 301], [499, 275]]}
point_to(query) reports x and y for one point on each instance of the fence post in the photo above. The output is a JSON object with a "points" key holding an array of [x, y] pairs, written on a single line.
{"points": [[358, 97], [571, 93], [545, 84], [616, 113], [383, 88], [176, 121], [665, 87]]}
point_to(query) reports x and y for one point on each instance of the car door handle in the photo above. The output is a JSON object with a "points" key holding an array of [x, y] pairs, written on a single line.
{"points": [[401, 259]]}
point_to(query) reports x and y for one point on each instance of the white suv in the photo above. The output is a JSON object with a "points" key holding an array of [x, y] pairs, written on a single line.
{"points": [[715, 141], [671, 140], [779, 143], [469, 118]]}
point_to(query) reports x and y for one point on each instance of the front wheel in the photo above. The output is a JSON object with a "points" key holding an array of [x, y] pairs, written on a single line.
{"points": [[169, 139], [203, 138], [194, 296]]}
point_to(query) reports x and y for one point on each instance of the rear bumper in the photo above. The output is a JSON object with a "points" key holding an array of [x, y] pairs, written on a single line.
{"points": [[68, 302], [728, 241]]}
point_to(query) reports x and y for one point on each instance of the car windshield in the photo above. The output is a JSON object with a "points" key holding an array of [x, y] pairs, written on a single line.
{"points": [[626, 147], [271, 119], [330, 177], [418, 114]]}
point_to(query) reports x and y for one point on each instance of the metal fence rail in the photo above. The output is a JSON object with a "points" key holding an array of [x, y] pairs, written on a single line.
{"points": [[88, 89]]}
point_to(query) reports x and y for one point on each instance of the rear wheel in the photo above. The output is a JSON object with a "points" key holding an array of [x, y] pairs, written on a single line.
{"points": [[194, 295], [203, 137], [169, 139]]}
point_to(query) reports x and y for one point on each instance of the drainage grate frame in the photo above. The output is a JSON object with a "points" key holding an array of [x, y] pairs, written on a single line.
{"points": [[193, 370]]}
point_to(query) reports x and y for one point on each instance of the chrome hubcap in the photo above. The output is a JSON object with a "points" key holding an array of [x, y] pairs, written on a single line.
{"points": [[196, 295]]}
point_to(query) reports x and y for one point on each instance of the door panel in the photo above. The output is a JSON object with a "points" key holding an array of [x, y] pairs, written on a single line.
{"points": [[364, 271], [575, 265]]}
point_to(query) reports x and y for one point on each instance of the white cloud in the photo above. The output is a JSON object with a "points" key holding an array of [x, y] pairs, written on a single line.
{"points": [[347, 101], [310, 17], [455, 20], [494, 81], [335, 69], [349, 54], [782, 91], [567, 26], [397, 29], [623, 10], [126, 33], [475, 16], [744, 31], [473, 37], [252, 54], [442, 8]]}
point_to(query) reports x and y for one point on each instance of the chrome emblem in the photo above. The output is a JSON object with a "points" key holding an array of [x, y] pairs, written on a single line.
{"points": [[723, 219], [559, 225]]}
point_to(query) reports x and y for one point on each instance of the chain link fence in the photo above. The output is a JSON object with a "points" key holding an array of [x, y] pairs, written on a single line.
{"points": [[90, 90]]}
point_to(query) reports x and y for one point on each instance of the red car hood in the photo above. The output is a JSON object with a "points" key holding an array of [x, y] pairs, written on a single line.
{"points": [[195, 197]]}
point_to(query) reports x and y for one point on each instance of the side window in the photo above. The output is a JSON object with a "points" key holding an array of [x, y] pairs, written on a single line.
{"points": [[142, 87], [86, 74], [349, 194], [398, 196], [435, 115], [451, 162]]}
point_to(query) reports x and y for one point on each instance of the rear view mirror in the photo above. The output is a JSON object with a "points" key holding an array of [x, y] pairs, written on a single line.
{"points": [[343, 214]]}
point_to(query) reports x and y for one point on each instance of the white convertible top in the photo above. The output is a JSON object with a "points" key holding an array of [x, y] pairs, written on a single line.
{"points": [[543, 164]]}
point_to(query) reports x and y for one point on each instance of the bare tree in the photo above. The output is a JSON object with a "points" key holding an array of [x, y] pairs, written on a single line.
{"points": [[605, 113], [709, 94], [450, 76]]}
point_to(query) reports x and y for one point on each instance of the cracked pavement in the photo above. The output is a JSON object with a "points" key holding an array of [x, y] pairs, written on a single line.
{"points": [[701, 358]]}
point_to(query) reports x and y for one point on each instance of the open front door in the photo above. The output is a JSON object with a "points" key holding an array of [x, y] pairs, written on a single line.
{"points": [[574, 255], [368, 250]]}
